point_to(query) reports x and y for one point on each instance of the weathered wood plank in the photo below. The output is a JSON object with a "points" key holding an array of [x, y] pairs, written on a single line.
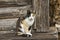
{"points": [[13, 12], [13, 9], [8, 24], [15, 2], [42, 11], [36, 36], [45, 15]]}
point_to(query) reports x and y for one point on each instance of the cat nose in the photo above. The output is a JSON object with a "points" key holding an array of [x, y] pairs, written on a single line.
{"points": [[30, 18]]}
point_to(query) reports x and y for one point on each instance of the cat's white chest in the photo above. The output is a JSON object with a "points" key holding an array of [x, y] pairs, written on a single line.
{"points": [[29, 22]]}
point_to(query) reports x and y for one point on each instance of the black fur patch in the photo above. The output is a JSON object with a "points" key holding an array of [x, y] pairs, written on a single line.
{"points": [[20, 26], [19, 30], [28, 13], [29, 28]]}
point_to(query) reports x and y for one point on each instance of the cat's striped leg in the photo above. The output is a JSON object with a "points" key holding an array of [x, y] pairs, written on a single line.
{"points": [[20, 31], [29, 32]]}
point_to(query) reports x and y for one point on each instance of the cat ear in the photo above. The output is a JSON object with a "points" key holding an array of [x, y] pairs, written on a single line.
{"points": [[28, 12], [31, 10]]}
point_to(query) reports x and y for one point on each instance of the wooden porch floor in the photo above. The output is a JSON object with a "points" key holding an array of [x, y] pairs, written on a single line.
{"points": [[36, 36]]}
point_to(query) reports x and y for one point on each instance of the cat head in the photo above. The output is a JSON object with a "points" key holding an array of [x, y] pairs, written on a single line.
{"points": [[31, 14]]}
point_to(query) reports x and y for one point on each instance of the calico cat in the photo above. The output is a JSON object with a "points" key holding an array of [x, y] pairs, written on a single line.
{"points": [[26, 24]]}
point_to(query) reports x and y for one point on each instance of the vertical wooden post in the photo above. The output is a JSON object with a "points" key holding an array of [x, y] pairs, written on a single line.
{"points": [[42, 18]]}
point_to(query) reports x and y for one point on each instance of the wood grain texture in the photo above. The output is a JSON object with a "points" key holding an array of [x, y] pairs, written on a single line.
{"points": [[42, 17], [13, 12], [36, 36]]}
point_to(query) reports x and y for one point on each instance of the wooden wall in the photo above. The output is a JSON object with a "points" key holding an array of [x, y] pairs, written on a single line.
{"points": [[42, 14], [10, 15]]}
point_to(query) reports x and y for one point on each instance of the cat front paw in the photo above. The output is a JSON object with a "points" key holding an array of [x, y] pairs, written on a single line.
{"points": [[29, 35]]}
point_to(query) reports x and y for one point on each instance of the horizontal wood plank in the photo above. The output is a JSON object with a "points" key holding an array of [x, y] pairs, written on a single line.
{"points": [[13, 12]]}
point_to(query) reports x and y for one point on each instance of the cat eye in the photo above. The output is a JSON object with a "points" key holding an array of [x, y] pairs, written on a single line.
{"points": [[33, 15]]}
